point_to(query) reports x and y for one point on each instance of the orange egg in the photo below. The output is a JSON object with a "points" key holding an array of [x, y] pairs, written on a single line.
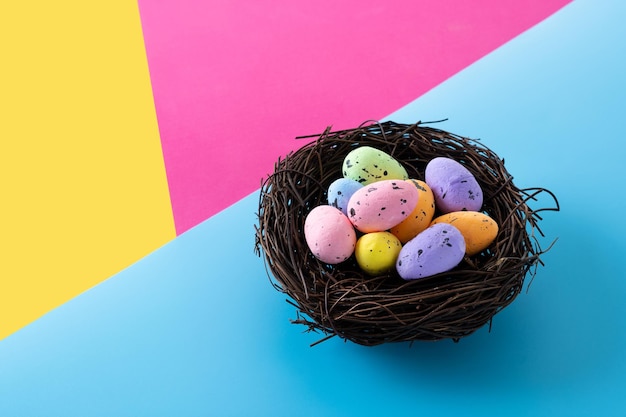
{"points": [[421, 217], [478, 229]]}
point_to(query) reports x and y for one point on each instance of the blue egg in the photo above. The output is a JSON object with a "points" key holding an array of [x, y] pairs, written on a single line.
{"points": [[340, 191]]}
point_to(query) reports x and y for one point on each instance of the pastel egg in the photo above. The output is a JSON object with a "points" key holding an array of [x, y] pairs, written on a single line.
{"points": [[329, 234], [376, 253], [382, 205], [421, 216], [437, 249], [367, 165], [340, 191], [454, 187], [478, 229]]}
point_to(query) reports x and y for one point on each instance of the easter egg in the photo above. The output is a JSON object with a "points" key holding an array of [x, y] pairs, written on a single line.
{"points": [[478, 229], [376, 253], [367, 165], [340, 191], [329, 234], [454, 187], [437, 249], [421, 216], [382, 205]]}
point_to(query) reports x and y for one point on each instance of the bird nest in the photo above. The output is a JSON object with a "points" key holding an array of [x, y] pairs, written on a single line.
{"points": [[341, 300]]}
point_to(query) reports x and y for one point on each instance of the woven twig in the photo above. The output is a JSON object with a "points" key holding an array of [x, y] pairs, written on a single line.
{"points": [[340, 299]]}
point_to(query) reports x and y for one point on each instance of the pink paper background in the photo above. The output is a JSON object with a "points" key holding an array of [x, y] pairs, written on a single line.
{"points": [[234, 82]]}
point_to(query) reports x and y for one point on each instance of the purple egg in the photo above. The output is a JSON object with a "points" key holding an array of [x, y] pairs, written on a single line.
{"points": [[437, 249], [340, 191], [454, 187]]}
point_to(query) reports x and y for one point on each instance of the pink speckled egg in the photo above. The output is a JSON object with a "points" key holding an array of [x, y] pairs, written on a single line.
{"points": [[382, 205], [329, 234]]}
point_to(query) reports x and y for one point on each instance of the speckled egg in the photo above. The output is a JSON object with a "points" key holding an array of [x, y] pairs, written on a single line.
{"points": [[376, 253], [340, 191], [454, 187], [367, 165], [437, 249], [421, 216], [380, 206], [329, 234], [478, 229]]}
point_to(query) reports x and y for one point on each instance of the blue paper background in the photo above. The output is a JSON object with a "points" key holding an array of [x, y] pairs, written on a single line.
{"points": [[196, 329]]}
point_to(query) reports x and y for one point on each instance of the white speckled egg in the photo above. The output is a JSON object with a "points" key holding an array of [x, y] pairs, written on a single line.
{"points": [[367, 165], [380, 206], [329, 234]]}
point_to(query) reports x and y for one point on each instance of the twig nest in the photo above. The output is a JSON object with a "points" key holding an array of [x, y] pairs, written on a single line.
{"points": [[368, 302]]}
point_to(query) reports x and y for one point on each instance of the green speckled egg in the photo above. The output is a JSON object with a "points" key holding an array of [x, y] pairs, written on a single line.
{"points": [[367, 165]]}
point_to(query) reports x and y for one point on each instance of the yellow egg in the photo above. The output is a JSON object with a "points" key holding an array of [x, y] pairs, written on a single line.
{"points": [[421, 217], [478, 229], [376, 252]]}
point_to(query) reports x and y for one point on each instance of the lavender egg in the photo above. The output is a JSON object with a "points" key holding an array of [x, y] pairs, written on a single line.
{"points": [[340, 191], [437, 249], [454, 187]]}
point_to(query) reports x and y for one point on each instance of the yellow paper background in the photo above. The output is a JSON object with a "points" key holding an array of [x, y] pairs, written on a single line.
{"points": [[83, 186]]}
